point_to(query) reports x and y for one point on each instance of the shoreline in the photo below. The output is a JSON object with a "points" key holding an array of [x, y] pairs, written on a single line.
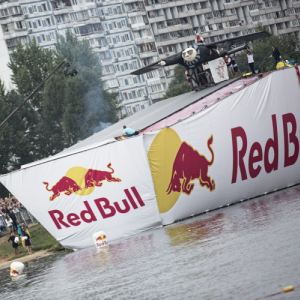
{"points": [[38, 254]]}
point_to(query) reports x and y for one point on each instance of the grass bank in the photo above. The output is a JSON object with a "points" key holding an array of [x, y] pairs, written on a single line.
{"points": [[41, 240]]}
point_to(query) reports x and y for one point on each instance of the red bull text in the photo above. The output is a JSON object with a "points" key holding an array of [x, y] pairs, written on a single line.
{"points": [[257, 154], [104, 206], [189, 165]]}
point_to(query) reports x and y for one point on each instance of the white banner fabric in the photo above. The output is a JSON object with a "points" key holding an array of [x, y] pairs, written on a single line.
{"points": [[106, 189], [219, 70], [241, 147]]}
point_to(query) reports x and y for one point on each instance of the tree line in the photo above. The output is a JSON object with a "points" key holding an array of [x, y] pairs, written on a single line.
{"points": [[64, 110]]}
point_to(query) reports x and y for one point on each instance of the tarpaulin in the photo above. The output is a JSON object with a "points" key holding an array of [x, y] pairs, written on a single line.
{"points": [[205, 102], [240, 147], [108, 189]]}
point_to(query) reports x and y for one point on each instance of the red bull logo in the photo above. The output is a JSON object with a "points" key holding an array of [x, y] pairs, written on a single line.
{"points": [[190, 165], [96, 177], [81, 181], [175, 164], [64, 185], [100, 238]]}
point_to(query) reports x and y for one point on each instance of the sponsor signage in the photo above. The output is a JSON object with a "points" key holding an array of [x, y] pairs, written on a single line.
{"points": [[104, 189], [241, 147]]}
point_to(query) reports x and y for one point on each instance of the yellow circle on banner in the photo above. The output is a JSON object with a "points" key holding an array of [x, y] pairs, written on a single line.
{"points": [[78, 174], [161, 156]]}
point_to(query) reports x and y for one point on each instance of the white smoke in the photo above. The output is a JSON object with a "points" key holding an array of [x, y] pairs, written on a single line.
{"points": [[101, 126]]}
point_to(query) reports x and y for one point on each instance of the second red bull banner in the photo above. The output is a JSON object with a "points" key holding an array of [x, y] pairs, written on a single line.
{"points": [[241, 147], [106, 189]]}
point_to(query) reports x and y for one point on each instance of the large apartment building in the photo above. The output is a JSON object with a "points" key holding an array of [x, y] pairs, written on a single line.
{"points": [[129, 34]]}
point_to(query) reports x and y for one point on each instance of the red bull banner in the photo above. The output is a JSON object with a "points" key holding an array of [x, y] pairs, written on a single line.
{"points": [[108, 189], [241, 147]]}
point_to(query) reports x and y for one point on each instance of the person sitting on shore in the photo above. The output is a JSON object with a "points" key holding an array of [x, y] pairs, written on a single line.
{"points": [[129, 132], [15, 244]]}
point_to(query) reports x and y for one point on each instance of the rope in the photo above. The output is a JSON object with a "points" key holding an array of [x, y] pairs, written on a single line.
{"points": [[281, 292]]}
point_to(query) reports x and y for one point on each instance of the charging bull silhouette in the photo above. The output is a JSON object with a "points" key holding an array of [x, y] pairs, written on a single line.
{"points": [[95, 177], [189, 165], [66, 185]]}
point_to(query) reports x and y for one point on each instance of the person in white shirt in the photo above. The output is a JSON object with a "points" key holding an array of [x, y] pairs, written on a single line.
{"points": [[250, 60]]}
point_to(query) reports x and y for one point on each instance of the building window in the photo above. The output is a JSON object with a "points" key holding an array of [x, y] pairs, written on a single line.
{"points": [[52, 35], [118, 39], [44, 6], [129, 109], [121, 81], [29, 24], [125, 95], [25, 10], [39, 23], [110, 11], [126, 66], [48, 22], [137, 107], [43, 38], [127, 38], [123, 23], [34, 9], [134, 64], [117, 68], [74, 2], [134, 94]]}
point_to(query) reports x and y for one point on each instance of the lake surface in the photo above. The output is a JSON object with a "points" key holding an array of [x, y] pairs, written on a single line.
{"points": [[244, 251]]}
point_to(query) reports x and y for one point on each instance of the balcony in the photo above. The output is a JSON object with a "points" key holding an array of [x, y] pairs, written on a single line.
{"points": [[144, 40], [148, 54], [141, 27], [60, 11]]}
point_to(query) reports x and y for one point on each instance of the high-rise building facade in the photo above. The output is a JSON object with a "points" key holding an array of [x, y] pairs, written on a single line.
{"points": [[129, 34]]}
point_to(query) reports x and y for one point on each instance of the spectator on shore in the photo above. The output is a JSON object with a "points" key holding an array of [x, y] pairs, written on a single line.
{"points": [[25, 230], [21, 234], [14, 219], [15, 209], [9, 223], [129, 131], [1, 225], [27, 239], [15, 244]]}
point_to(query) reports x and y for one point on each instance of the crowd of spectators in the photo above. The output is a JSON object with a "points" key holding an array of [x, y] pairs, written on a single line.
{"points": [[9, 207], [10, 203]]}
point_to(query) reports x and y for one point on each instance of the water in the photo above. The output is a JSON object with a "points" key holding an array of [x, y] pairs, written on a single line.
{"points": [[245, 251]]}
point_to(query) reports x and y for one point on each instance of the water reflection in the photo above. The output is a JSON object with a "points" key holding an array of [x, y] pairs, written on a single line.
{"points": [[195, 230], [241, 252]]}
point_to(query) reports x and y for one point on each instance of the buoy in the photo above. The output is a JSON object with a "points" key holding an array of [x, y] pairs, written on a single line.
{"points": [[100, 239], [16, 269], [288, 288]]}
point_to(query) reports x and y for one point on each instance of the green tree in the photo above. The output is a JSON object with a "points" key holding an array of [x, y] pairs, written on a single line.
{"points": [[14, 148], [178, 84], [74, 106]]}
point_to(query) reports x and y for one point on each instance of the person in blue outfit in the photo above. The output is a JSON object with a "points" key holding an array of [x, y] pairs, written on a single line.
{"points": [[129, 131]]}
